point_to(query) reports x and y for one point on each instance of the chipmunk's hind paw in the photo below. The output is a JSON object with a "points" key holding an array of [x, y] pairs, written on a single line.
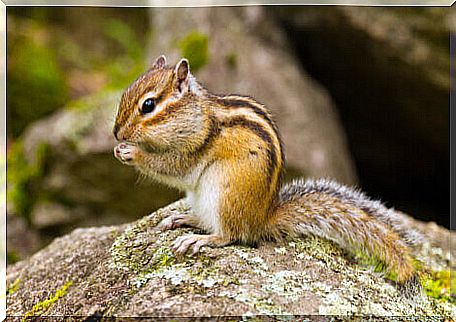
{"points": [[193, 243]]}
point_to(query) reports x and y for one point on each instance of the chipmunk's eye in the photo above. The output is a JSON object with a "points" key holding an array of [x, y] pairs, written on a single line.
{"points": [[148, 106]]}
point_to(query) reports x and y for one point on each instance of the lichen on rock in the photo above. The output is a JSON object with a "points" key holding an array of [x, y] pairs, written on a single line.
{"points": [[130, 270]]}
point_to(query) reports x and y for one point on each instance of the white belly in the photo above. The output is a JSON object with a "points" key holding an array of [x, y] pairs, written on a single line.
{"points": [[202, 191], [204, 201]]}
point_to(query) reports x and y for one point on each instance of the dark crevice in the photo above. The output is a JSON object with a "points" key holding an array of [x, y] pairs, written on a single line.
{"points": [[396, 121]]}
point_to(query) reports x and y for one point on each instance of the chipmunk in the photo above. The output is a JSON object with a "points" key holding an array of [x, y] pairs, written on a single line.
{"points": [[225, 152]]}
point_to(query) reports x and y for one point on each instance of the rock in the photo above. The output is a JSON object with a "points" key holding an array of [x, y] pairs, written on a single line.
{"points": [[243, 51], [129, 270], [398, 44], [388, 69], [438, 249], [49, 214], [22, 241]]}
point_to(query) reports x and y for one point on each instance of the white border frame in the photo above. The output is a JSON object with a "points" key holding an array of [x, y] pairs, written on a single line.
{"points": [[230, 3], [139, 3], [3, 161]]}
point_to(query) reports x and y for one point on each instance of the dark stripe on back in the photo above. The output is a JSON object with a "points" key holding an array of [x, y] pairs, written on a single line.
{"points": [[214, 131], [262, 133], [235, 102]]}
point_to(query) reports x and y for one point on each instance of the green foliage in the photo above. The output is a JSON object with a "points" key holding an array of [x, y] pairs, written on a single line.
{"points": [[22, 177], [231, 60], [122, 34], [42, 307], [365, 260], [12, 257], [101, 56], [52, 59], [440, 285], [380, 267], [36, 85], [13, 287], [195, 47], [126, 67]]}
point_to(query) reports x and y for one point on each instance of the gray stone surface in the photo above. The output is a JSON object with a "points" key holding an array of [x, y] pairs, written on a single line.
{"points": [[129, 270]]}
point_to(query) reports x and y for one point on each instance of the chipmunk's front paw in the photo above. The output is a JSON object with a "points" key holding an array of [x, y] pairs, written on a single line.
{"points": [[125, 153], [176, 221]]}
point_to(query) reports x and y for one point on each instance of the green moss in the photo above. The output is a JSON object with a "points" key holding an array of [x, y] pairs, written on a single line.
{"points": [[195, 47], [41, 307], [23, 176], [163, 257], [440, 285], [147, 257], [12, 257], [132, 251], [380, 267], [36, 83], [13, 287], [231, 60], [130, 256], [124, 36], [316, 247], [126, 67]]}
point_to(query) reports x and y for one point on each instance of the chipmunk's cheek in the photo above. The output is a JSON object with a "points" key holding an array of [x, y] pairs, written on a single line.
{"points": [[125, 153]]}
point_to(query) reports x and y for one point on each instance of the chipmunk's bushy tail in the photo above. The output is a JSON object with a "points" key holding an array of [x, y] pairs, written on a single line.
{"points": [[346, 216]]}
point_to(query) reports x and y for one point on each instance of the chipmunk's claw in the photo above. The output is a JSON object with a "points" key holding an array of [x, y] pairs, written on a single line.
{"points": [[194, 243], [183, 243], [174, 221]]}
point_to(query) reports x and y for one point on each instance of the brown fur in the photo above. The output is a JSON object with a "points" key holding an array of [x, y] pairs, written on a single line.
{"points": [[346, 225], [196, 139]]}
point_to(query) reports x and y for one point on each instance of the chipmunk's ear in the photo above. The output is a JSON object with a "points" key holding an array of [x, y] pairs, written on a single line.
{"points": [[182, 71], [160, 62]]}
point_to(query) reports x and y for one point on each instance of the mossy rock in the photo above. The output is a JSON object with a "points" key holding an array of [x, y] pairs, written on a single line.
{"points": [[129, 270]]}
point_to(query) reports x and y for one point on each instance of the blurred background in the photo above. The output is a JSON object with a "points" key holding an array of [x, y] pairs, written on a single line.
{"points": [[360, 95]]}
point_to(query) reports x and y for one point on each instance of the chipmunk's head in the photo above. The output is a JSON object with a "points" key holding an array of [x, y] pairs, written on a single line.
{"points": [[159, 109]]}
